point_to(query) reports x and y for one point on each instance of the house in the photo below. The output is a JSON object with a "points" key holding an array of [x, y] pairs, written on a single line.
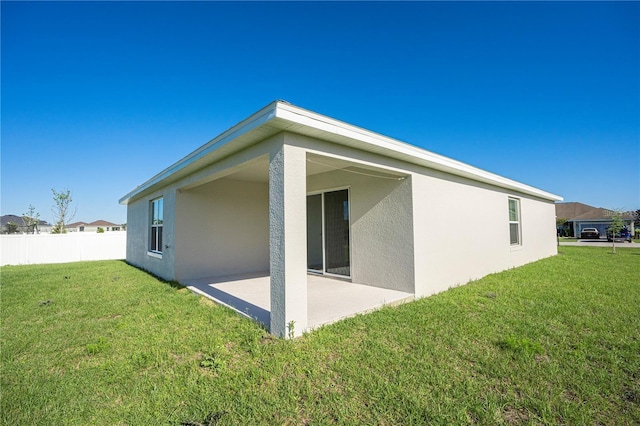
{"points": [[580, 216], [296, 216], [11, 223], [92, 226]]}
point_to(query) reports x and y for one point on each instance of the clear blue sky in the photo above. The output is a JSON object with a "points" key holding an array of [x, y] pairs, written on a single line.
{"points": [[97, 97]]}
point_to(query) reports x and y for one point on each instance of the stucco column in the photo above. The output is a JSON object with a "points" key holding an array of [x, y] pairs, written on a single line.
{"points": [[288, 240]]}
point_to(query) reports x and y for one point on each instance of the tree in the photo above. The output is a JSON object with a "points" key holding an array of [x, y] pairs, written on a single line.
{"points": [[561, 223], [31, 220], [62, 212], [616, 226], [12, 227]]}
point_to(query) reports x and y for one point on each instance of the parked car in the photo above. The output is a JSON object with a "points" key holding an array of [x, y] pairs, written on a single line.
{"points": [[590, 233], [623, 235]]}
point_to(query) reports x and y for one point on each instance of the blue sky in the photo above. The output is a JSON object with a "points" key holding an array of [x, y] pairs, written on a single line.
{"points": [[97, 97]]}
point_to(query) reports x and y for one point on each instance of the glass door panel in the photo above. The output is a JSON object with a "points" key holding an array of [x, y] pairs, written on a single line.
{"points": [[336, 235]]}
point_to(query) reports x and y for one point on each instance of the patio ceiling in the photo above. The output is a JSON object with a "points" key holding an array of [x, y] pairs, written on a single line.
{"points": [[258, 171]]}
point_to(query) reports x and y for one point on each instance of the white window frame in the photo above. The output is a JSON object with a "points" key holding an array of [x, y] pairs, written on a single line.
{"points": [[158, 226], [517, 221]]}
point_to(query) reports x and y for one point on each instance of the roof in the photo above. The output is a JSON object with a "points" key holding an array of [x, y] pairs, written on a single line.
{"points": [[578, 211], [76, 224], [4, 220], [102, 223], [95, 223], [281, 116]]}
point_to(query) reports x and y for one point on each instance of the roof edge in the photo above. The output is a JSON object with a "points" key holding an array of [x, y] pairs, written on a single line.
{"points": [[254, 120], [426, 158], [283, 110]]}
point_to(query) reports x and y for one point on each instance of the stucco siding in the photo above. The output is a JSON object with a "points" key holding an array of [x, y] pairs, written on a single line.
{"points": [[137, 235], [381, 227], [138, 215], [222, 228], [451, 228], [538, 231], [138, 240], [288, 240], [462, 231]]}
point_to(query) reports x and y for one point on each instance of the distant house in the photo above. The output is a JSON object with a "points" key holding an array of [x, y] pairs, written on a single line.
{"points": [[301, 199], [582, 216], [93, 226], [20, 227]]}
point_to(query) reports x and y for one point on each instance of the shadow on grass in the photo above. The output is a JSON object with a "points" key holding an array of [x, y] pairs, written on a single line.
{"points": [[171, 283], [261, 316]]}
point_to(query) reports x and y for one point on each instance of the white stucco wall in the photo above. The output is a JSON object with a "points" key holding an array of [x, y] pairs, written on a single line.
{"points": [[459, 228], [539, 238], [462, 231], [222, 228], [381, 227], [138, 210], [138, 219], [288, 240]]}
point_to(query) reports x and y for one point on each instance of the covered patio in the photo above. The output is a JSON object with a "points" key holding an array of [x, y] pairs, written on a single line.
{"points": [[346, 224], [328, 300]]}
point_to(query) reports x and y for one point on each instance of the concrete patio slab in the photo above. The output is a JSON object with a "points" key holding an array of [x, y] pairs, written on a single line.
{"points": [[329, 299]]}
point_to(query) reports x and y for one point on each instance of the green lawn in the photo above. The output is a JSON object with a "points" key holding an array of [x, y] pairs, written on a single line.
{"points": [[567, 239], [553, 342]]}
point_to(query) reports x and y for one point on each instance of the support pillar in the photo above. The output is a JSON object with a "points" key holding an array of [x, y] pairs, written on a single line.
{"points": [[288, 240]]}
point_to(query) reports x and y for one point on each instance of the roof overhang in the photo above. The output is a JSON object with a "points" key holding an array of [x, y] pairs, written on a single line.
{"points": [[280, 116]]}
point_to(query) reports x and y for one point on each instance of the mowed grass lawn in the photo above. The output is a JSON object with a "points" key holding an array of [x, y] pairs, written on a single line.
{"points": [[553, 342]]}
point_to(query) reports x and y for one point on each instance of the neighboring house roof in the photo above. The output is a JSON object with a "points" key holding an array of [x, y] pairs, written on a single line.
{"points": [[578, 211], [102, 223], [281, 116], [11, 218], [95, 223], [76, 224], [18, 220]]}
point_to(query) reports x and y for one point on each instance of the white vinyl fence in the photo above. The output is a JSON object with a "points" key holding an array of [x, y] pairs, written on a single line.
{"points": [[61, 248]]}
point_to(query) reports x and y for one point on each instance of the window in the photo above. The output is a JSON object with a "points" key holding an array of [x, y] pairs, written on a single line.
{"points": [[156, 225], [514, 221]]}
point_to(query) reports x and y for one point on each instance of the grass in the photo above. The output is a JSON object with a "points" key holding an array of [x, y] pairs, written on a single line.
{"points": [[553, 342]]}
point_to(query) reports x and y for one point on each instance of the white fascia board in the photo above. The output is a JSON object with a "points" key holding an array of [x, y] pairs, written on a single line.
{"points": [[408, 152], [254, 121], [379, 144]]}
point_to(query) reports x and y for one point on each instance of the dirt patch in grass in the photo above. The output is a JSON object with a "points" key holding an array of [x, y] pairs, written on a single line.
{"points": [[515, 416]]}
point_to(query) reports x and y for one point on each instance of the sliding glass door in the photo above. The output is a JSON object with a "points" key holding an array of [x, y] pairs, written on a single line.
{"points": [[336, 232], [328, 239]]}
